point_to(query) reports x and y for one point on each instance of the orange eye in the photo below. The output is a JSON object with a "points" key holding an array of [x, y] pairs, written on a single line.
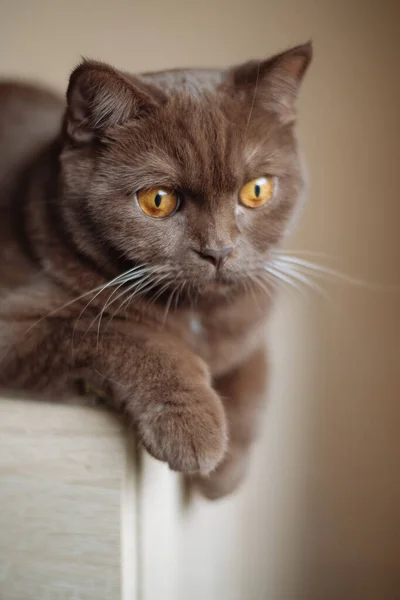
{"points": [[157, 202], [258, 192]]}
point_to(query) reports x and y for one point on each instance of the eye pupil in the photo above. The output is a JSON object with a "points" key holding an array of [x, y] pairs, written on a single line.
{"points": [[258, 192], [158, 200]]}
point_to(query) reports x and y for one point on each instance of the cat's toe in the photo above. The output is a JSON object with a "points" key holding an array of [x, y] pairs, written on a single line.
{"points": [[188, 431]]}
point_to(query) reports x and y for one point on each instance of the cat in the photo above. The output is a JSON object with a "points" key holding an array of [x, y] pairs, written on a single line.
{"points": [[136, 220]]}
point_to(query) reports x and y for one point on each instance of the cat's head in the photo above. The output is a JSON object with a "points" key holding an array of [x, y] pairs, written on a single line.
{"points": [[195, 172]]}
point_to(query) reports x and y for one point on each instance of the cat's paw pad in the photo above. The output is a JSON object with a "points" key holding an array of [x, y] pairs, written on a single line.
{"points": [[188, 431]]}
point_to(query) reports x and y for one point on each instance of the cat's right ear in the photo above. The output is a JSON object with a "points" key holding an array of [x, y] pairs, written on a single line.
{"points": [[100, 97]]}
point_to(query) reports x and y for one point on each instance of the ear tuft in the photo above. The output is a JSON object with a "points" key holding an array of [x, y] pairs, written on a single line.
{"points": [[99, 97]]}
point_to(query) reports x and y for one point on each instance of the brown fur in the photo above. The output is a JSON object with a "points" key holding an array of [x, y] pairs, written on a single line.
{"points": [[184, 358]]}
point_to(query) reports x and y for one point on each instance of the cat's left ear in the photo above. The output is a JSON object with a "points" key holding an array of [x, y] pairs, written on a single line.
{"points": [[100, 97], [273, 84]]}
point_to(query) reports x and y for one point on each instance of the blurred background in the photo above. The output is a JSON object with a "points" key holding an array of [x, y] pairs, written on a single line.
{"points": [[319, 517]]}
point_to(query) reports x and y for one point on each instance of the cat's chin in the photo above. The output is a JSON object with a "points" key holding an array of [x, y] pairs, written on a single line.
{"points": [[219, 285]]}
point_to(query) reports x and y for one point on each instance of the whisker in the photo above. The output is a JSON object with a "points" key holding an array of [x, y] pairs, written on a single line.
{"points": [[291, 271], [169, 302], [293, 252], [248, 286], [137, 276], [332, 273], [167, 307], [258, 279], [149, 286], [283, 277], [110, 302], [252, 102], [181, 288], [139, 288], [190, 294], [70, 302], [161, 290], [120, 279]]}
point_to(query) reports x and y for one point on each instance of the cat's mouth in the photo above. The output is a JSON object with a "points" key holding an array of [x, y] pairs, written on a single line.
{"points": [[218, 281]]}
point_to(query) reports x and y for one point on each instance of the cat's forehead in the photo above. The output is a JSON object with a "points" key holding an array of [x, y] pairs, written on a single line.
{"points": [[199, 102], [193, 82], [207, 143], [201, 138]]}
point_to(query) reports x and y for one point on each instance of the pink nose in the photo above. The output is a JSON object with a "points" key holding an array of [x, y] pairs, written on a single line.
{"points": [[216, 257]]}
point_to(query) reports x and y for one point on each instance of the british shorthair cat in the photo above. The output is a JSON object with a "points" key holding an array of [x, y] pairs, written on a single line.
{"points": [[136, 223]]}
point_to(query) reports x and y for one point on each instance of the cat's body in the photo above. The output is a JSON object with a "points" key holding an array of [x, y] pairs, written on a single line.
{"points": [[184, 356]]}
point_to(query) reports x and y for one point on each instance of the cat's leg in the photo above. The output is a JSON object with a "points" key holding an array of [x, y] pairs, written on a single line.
{"points": [[243, 392], [162, 387]]}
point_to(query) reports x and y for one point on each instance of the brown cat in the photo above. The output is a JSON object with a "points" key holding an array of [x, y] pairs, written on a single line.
{"points": [[135, 229]]}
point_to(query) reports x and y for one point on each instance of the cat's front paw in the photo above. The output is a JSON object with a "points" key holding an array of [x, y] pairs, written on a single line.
{"points": [[226, 478], [188, 431]]}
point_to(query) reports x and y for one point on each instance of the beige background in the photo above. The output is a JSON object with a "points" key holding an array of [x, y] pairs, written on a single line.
{"points": [[320, 515]]}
